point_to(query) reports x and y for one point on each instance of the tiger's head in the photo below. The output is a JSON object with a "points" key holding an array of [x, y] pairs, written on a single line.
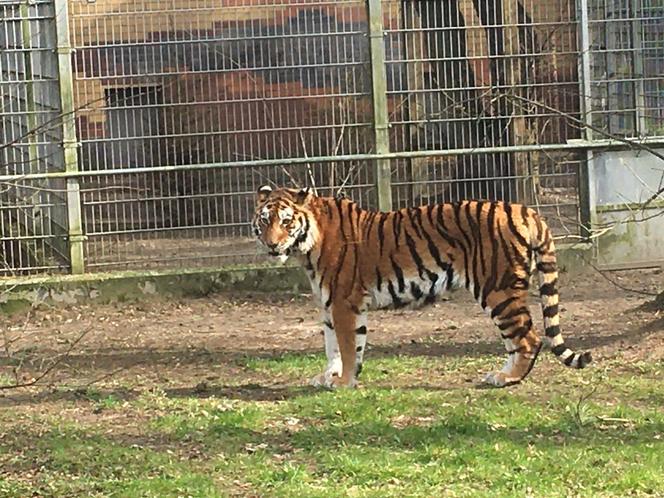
{"points": [[284, 222]]}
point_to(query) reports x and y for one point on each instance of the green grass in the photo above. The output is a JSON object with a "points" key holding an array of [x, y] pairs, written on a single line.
{"points": [[414, 429]]}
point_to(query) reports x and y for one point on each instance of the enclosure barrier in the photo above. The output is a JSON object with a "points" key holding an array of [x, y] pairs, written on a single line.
{"points": [[133, 135]]}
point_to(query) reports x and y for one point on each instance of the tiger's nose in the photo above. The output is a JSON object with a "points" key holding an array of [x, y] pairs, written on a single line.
{"points": [[272, 246]]}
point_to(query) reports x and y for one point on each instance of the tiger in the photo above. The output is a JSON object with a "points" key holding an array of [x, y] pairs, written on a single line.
{"points": [[357, 260]]}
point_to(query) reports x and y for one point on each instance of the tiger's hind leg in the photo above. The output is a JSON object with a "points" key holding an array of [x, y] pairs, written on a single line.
{"points": [[360, 343], [513, 318], [522, 355]]}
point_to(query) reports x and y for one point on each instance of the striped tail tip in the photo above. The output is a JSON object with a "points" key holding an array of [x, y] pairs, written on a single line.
{"points": [[571, 359], [584, 359]]}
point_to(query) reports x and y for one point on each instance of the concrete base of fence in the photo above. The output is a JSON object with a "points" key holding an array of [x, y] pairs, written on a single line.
{"points": [[19, 294]]}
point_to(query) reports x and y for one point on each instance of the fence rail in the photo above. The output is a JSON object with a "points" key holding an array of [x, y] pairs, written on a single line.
{"points": [[160, 119]]}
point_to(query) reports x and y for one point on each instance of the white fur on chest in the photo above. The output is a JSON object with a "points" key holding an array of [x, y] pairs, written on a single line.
{"points": [[320, 293]]}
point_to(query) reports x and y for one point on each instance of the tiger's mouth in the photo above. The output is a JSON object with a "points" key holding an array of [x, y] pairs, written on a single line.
{"points": [[274, 252]]}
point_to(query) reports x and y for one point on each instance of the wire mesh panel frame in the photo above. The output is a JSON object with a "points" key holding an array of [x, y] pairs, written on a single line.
{"points": [[33, 212], [186, 107], [192, 84]]}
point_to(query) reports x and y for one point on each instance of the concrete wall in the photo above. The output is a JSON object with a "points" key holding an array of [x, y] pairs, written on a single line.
{"points": [[623, 181]]}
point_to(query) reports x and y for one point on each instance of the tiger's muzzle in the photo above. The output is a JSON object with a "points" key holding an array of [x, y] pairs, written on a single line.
{"points": [[275, 250]]}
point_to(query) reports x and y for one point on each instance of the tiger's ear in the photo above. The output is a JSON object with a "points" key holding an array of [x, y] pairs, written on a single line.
{"points": [[304, 195], [263, 193]]}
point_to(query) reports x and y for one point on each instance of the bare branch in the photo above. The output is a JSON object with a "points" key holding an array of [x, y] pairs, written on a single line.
{"points": [[620, 286], [58, 360]]}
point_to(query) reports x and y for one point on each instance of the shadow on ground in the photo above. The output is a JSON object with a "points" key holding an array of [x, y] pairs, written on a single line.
{"points": [[103, 363]]}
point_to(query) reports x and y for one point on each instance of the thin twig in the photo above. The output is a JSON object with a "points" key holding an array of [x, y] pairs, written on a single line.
{"points": [[620, 286], [615, 419], [101, 377], [51, 367], [308, 165], [582, 399]]}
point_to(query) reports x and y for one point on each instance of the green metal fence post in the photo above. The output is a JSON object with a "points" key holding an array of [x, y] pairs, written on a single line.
{"points": [[587, 201], [69, 139], [379, 93]]}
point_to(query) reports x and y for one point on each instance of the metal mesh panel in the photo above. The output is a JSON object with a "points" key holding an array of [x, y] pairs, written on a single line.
{"points": [[192, 83], [32, 212], [469, 75], [627, 66]]}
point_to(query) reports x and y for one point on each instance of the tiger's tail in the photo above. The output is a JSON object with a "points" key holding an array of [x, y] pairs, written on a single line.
{"points": [[545, 257]]}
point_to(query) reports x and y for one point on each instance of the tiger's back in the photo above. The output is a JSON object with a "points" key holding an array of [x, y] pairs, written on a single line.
{"points": [[419, 253]]}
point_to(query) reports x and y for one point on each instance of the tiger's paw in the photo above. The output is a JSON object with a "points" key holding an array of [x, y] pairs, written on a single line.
{"points": [[339, 383], [331, 379], [324, 379], [319, 380], [500, 379]]}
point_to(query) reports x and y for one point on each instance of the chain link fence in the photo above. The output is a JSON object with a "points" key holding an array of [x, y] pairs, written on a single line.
{"points": [[184, 107]]}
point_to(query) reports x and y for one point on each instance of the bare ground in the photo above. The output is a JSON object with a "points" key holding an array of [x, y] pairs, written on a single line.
{"points": [[188, 345]]}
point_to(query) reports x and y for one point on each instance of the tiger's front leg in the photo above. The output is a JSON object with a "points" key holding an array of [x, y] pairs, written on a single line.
{"points": [[333, 368], [348, 324], [334, 364]]}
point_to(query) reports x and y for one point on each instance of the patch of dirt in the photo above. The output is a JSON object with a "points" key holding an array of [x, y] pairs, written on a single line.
{"points": [[193, 345]]}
